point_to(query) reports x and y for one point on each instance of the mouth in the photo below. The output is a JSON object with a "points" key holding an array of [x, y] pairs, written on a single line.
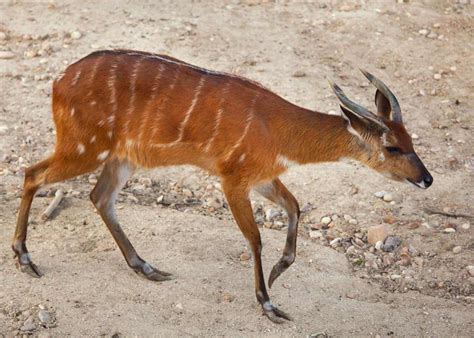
{"points": [[421, 184]]}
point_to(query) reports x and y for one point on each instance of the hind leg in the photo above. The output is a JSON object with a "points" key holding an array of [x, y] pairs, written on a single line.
{"points": [[112, 179], [51, 170]]}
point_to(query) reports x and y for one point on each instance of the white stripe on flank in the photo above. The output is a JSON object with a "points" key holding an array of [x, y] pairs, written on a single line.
{"points": [[76, 78], [133, 83], [81, 148], [220, 112], [93, 73], [93, 138], [146, 112], [249, 120], [111, 83], [189, 112], [103, 155]]}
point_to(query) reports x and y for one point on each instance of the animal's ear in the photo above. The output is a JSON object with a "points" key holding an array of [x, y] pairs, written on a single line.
{"points": [[383, 105], [358, 125]]}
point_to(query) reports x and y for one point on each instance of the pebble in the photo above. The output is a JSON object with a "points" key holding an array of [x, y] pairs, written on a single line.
{"points": [[470, 269], [380, 194], [3, 36], [335, 242], [3, 129], [214, 203], [378, 245], [437, 76], [415, 136], [388, 197], [315, 234], [326, 220], [44, 317], [353, 221], [28, 325], [5, 55], [423, 32], [187, 192], [350, 250], [244, 256], [347, 218], [370, 260], [76, 35], [299, 73], [457, 249], [395, 277], [449, 230], [271, 214], [432, 35], [391, 243], [92, 179], [377, 233], [453, 68], [466, 226]]}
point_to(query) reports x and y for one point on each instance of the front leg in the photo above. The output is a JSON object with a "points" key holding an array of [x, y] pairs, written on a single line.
{"points": [[276, 192], [238, 199]]}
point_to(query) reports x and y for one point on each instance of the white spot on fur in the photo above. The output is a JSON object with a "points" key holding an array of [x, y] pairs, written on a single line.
{"points": [[129, 143], [381, 156], [242, 158], [101, 123], [72, 111], [76, 78], [109, 134], [93, 103], [81, 149], [93, 138], [103, 155], [285, 161]]}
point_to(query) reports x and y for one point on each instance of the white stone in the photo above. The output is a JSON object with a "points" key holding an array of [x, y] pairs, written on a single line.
{"points": [[449, 230], [388, 197], [315, 234], [457, 249], [466, 226], [5, 55], [380, 194], [437, 76], [76, 35], [326, 220], [378, 245], [415, 136], [271, 214]]}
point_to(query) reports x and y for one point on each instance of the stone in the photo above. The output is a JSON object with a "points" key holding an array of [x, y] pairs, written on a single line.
{"points": [[29, 325], [299, 73], [351, 250], [395, 277], [378, 245], [377, 233], [466, 226], [353, 221], [380, 194], [391, 243], [92, 179], [187, 192], [347, 218], [214, 202], [415, 136], [245, 256], [315, 234], [470, 270], [335, 242], [437, 76], [271, 214], [457, 249], [326, 220], [449, 230], [370, 260], [453, 68], [423, 32], [5, 55], [388, 197], [432, 35], [3, 36], [227, 297], [44, 317], [76, 35]]}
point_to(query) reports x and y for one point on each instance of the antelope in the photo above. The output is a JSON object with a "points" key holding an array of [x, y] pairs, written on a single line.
{"points": [[125, 109]]}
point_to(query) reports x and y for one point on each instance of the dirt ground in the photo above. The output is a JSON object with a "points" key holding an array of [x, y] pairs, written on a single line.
{"points": [[177, 217]]}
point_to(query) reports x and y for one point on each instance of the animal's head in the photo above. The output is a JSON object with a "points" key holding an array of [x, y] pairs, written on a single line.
{"points": [[385, 145]]}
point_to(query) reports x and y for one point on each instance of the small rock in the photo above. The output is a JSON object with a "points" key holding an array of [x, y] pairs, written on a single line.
{"points": [[315, 234], [326, 220], [436, 25], [179, 306], [388, 197], [466, 226], [457, 249], [449, 230], [187, 192], [3, 36], [359, 242], [5, 55], [215, 203], [377, 233], [350, 250], [44, 317], [271, 214], [391, 243], [437, 76], [378, 245], [227, 297], [244, 256], [370, 260], [30, 53], [76, 35], [132, 198], [29, 325], [92, 179], [395, 277], [353, 221], [3, 129], [347, 218], [432, 35], [470, 269], [335, 242], [380, 194], [387, 260], [423, 32], [299, 73], [415, 136], [453, 68]]}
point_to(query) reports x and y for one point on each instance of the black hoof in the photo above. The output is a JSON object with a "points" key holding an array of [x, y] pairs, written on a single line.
{"points": [[274, 314], [149, 272], [24, 264]]}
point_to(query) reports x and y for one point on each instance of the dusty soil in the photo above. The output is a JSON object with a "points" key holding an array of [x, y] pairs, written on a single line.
{"points": [[177, 217]]}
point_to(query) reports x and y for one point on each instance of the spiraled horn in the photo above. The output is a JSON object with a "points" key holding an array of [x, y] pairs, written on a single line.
{"points": [[356, 108], [396, 110]]}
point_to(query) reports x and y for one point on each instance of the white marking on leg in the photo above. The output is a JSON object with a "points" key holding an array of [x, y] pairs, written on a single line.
{"points": [[93, 138], [241, 158], [72, 111], [81, 148], [109, 134], [103, 155], [76, 78]]}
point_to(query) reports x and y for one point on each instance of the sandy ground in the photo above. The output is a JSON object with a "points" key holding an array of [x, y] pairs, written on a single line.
{"points": [[87, 289]]}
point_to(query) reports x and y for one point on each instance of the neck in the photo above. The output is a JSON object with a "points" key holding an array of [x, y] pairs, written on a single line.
{"points": [[311, 137]]}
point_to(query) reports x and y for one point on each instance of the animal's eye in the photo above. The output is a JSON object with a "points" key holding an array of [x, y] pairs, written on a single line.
{"points": [[393, 150]]}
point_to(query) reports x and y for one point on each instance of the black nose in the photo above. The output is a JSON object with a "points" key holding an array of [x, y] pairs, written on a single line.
{"points": [[428, 180]]}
